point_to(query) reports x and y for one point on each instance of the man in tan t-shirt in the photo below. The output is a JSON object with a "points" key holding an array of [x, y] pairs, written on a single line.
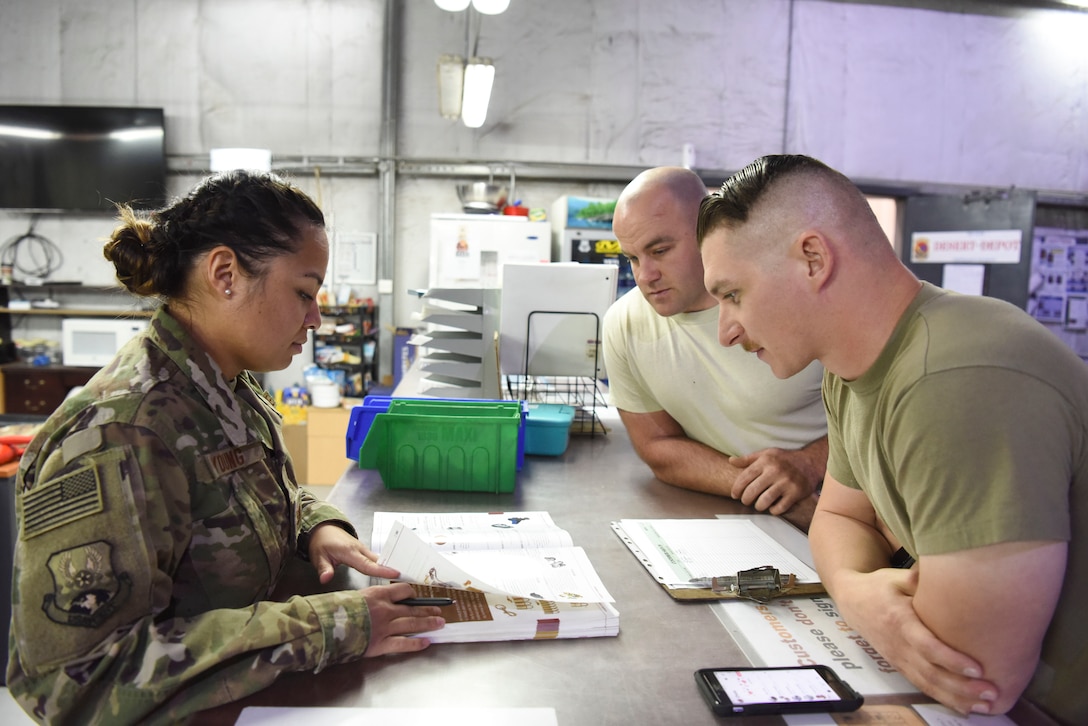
{"points": [[702, 416]]}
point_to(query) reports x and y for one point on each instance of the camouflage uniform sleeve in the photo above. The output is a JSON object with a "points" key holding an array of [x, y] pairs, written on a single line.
{"points": [[316, 511], [313, 513], [98, 632]]}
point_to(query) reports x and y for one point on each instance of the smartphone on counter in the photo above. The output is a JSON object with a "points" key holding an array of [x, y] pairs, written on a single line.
{"points": [[745, 691]]}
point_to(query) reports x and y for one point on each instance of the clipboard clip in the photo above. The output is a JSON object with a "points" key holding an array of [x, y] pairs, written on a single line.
{"points": [[760, 584]]}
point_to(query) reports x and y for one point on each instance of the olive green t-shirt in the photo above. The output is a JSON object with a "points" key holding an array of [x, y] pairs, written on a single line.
{"points": [[971, 429]]}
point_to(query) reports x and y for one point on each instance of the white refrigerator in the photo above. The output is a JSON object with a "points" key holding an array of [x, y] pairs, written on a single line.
{"points": [[469, 250]]}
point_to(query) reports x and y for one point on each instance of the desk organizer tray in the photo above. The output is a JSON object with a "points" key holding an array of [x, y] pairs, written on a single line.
{"points": [[547, 428], [452, 446], [362, 416]]}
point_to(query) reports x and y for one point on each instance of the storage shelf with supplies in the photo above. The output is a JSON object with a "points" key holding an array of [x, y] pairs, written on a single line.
{"points": [[347, 344], [25, 309]]}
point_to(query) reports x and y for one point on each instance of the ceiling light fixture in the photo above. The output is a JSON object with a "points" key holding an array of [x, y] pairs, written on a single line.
{"points": [[479, 77], [451, 80], [240, 158], [486, 7], [491, 7], [464, 89]]}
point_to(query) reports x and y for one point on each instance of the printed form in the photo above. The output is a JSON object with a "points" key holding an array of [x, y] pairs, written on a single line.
{"points": [[559, 574], [452, 531]]}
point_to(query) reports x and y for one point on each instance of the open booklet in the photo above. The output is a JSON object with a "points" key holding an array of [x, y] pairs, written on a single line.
{"points": [[683, 555], [512, 575]]}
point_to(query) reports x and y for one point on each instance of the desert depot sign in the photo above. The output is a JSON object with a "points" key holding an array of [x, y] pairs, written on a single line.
{"points": [[1001, 246]]}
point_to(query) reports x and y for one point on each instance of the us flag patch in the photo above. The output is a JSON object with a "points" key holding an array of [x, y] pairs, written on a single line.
{"points": [[65, 500]]}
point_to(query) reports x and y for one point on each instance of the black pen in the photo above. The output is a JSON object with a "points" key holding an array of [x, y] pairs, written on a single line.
{"points": [[439, 601]]}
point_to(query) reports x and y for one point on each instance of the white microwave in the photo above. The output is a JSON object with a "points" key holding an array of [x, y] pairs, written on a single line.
{"points": [[93, 342]]}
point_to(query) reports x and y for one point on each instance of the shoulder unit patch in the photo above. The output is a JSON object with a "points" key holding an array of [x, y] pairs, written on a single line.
{"points": [[86, 590]]}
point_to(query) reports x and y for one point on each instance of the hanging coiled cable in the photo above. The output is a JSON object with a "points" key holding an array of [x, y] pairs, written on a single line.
{"points": [[30, 255]]}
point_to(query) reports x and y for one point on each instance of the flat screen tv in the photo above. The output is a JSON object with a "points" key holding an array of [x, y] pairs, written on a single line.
{"points": [[81, 158]]}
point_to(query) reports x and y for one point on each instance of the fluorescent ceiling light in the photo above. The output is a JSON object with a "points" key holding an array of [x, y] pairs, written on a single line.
{"points": [[490, 7], [486, 7], [479, 77], [239, 158]]}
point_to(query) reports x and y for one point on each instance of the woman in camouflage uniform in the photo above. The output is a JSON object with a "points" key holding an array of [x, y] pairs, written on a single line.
{"points": [[158, 507]]}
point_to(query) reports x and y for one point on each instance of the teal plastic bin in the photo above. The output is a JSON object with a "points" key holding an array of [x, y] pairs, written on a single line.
{"points": [[451, 446], [547, 428]]}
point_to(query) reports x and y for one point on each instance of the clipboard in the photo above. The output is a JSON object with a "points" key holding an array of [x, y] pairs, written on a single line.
{"points": [[762, 543]]}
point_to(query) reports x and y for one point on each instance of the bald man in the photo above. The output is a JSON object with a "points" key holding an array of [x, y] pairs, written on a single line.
{"points": [[702, 416], [958, 431]]}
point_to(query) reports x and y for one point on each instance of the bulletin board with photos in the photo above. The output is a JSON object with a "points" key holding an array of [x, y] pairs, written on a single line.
{"points": [[1058, 285]]}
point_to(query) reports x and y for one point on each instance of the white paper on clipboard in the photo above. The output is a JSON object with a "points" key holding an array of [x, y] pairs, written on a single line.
{"points": [[355, 258], [674, 551]]}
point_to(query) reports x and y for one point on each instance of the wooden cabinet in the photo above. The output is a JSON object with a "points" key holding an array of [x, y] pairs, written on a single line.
{"points": [[39, 390]]}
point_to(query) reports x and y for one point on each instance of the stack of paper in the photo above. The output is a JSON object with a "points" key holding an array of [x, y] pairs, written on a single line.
{"points": [[513, 575]]}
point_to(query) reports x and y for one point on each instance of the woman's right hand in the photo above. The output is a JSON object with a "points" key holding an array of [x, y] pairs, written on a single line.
{"points": [[390, 623]]}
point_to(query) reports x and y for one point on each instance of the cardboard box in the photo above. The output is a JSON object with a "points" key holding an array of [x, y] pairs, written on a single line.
{"points": [[317, 446], [294, 436], [325, 457]]}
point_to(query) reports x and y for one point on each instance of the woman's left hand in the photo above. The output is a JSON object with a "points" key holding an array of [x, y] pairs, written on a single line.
{"points": [[331, 546]]}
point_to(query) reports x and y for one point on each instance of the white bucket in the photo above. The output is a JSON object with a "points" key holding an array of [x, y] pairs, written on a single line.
{"points": [[324, 394]]}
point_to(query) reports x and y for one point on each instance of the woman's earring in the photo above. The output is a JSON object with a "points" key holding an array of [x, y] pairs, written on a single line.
{"points": [[227, 292]]}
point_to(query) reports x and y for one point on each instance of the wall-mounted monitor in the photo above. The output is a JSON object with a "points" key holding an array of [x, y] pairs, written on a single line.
{"points": [[81, 158]]}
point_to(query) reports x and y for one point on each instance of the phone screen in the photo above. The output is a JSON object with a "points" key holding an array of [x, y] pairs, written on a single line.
{"points": [[747, 687]]}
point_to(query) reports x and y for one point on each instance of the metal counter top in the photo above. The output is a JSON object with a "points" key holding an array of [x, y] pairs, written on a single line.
{"points": [[642, 676]]}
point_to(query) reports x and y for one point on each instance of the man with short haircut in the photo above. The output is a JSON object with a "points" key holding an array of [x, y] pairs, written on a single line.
{"points": [[958, 438]]}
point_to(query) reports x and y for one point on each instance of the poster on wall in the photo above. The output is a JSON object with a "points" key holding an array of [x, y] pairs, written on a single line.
{"points": [[965, 279], [1058, 284], [355, 258]]}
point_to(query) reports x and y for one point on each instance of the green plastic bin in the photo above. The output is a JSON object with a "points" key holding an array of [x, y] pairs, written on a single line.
{"points": [[450, 446]]}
